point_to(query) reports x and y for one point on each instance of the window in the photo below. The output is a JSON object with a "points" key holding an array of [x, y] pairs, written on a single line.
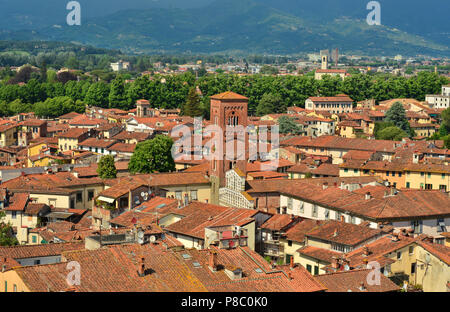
{"points": [[290, 243], [90, 195], [413, 268], [15, 288], [79, 197], [308, 267], [72, 203], [408, 185], [393, 173], [429, 174], [346, 170], [37, 262], [411, 250], [6, 286], [443, 188], [443, 175], [422, 174], [289, 203], [417, 226], [327, 214], [441, 225], [34, 239], [399, 174], [13, 214], [314, 211], [316, 270], [178, 195], [194, 195], [399, 255], [387, 173], [355, 170], [428, 186]]}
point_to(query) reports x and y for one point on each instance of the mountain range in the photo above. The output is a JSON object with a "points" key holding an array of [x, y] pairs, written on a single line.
{"points": [[408, 27]]}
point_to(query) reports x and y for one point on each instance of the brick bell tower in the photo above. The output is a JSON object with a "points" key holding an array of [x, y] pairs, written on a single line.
{"points": [[228, 109]]}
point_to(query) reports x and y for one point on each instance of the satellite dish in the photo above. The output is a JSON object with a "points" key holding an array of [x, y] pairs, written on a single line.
{"points": [[140, 241], [140, 234], [142, 194], [152, 239]]}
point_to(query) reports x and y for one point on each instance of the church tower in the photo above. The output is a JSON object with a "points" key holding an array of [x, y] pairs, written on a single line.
{"points": [[228, 109], [324, 62], [143, 108]]}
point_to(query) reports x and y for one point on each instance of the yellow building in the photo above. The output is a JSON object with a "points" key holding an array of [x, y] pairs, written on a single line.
{"points": [[427, 176], [69, 140], [8, 135]]}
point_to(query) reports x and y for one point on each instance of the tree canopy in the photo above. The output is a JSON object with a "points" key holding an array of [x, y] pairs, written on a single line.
{"points": [[289, 126], [153, 155], [106, 168]]}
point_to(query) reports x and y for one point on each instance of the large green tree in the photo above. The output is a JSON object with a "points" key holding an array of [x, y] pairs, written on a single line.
{"points": [[106, 168], [98, 95], [289, 126], [153, 155], [397, 115], [392, 133], [269, 104], [6, 237], [117, 94], [193, 105]]}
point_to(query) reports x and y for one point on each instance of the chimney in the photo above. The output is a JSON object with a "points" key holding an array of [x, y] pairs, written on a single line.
{"points": [[394, 237], [393, 191], [362, 287], [335, 263], [292, 264], [368, 196], [366, 251], [289, 275], [335, 233], [141, 267], [213, 261], [325, 185], [342, 219]]}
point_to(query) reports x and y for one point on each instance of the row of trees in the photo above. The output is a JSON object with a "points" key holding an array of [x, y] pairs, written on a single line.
{"points": [[267, 94]]}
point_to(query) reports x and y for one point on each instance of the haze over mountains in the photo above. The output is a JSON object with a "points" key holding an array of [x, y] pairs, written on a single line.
{"points": [[408, 27]]}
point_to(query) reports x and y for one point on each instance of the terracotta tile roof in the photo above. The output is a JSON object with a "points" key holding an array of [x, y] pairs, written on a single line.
{"points": [[344, 233], [32, 122], [45, 250], [99, 143], [343, 98], [438, 250], [331, 71], [198, 216], [279, 222], [228, 96], [322, 169], [298, 231], [127, 218], [341, 143], [18, 202], [74, 133], [70, 115], [127, 135], [358, 155], [406, 204], [60, 182], [84, 120], [351, 281], [322, 254], [122, 147], [167, 271], [378, 250]]}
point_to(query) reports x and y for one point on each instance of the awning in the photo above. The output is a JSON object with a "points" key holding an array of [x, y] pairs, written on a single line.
{"points": [[106, 199]]}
